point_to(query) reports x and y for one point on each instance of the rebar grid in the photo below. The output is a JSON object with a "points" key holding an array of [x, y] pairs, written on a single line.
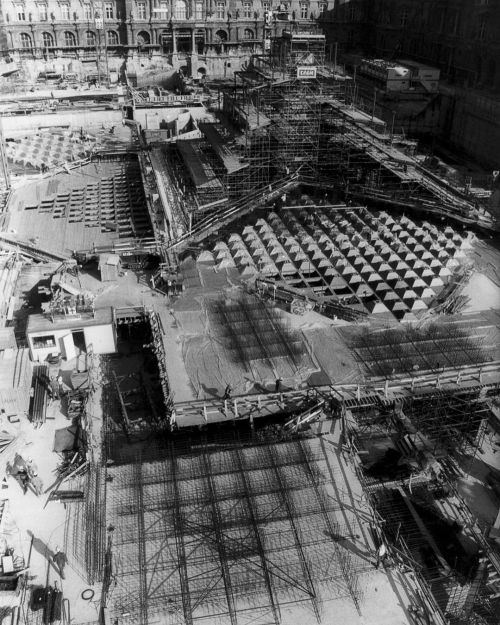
{"points": [[223, 535], [251, 330], [412, 349]]}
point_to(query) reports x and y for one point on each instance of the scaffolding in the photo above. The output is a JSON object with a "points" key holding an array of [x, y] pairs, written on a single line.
{"points": [[232, 532], [313, 126]]}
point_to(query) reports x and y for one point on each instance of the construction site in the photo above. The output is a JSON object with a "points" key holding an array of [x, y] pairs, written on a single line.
{"points": [[250, 343]]}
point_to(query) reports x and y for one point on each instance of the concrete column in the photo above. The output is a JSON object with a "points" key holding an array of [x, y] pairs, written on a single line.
{"points": [[193, 41], [174, 42]]}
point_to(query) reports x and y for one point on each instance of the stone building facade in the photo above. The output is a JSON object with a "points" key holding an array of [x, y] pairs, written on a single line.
{"points": [[159, 33], [460, 37]]}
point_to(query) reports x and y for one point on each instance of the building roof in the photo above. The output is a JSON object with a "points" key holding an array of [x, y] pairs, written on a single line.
{"points": [[42, 323]]}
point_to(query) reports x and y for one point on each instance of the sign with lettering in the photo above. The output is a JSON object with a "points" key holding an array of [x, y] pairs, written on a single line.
{"points": [[306, 72]]}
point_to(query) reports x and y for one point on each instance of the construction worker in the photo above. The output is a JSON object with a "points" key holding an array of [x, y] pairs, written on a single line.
{"points": [[381, 555], [60, 384], [277, 385], [227, 392], [59, 559]]}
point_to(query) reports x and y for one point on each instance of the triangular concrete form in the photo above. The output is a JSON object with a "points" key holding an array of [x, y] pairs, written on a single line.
{"points": [[390, 296], [286, 268], [436, 283], [427, 294], [409, 294], [205, 257], [398, 306], [408, 317], [363, 290], [410, 274], [306, 266], [337, 283], [226, 263], [354, 279], [247, 270], [418, 304], [220, 245], [374, 277], [381, 287]]}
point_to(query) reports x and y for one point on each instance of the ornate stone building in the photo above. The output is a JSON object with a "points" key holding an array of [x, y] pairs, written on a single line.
{"points": [[212, 36]]}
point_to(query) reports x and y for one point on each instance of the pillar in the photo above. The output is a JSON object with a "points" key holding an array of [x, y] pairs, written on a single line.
{"points": [[174, 42], [193, 41]]}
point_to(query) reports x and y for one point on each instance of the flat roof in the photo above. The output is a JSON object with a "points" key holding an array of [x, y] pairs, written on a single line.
{"points": [[42, 323]]}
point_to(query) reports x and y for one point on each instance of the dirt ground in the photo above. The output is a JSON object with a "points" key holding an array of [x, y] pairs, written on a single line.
{"points": [[40, 525]]}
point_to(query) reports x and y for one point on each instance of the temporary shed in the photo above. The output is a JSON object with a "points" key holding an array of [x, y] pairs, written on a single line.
{"points": [[109, 267]]}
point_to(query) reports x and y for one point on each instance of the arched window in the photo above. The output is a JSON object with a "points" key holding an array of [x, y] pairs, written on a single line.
{"points": [[48, 40], [69, 39], [113, 38], [143, 38], [220, 36], [90, 38], [248, 33], [180, 9], [26, 41]]}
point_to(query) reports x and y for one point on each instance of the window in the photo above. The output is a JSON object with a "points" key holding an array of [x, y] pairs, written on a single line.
{"points": [[404, 18], [180, 9], [163, 11], [41, 342], [48, 40], [220, 10], [248, 33], [266, 5], [247, 9], [303, 10], [87, 11], [65, 11], [25, 41], [198, 10], [108, 10], [141, 10], [113, 38], [322, 7], [69, 39], [481, 29], [42, 12], [20, 14], [90, 38]]}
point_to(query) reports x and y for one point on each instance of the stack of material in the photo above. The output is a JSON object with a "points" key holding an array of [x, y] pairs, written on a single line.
{"points": [[10, 266], [41, 385], [15, 380]]}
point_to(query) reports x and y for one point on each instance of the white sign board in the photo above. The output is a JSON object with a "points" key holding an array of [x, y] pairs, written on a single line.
{"points": [[99, 23], [267, 44], [306, 72]]}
